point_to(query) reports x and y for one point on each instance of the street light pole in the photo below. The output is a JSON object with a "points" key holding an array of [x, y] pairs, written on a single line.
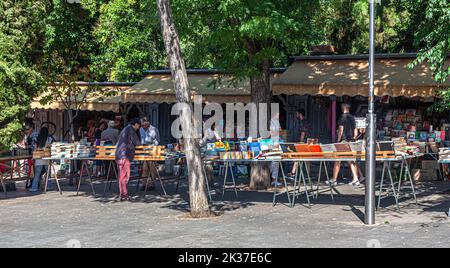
{"points": [[371, 137]]}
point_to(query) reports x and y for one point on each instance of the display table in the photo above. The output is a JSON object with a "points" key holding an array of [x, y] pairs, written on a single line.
{"points": [[84, 169], [302, 176], [229, 168]]}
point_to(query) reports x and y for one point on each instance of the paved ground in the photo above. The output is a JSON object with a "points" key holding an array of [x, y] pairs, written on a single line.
{"points": [[52, 220]]}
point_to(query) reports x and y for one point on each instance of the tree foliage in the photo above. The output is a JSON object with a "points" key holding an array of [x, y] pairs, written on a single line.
{"points": [[435, 34], [129, 38], [237, 35], [345, 24], [21, 35]]}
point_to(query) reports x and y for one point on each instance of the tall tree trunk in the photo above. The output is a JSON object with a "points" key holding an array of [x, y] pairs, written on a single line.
{"points": [[198, 198], [260, 89], [72, 127]]}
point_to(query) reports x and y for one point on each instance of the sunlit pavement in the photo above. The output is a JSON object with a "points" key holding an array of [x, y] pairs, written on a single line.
{"points": [[53, 220]]}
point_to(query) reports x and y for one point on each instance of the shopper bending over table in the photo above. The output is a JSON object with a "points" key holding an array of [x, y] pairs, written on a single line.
{"points": [[125, 150], [347, 132]]}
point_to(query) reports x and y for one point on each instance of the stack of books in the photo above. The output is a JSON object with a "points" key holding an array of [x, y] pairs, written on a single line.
{"points": [[84, 151], [62, 150]]}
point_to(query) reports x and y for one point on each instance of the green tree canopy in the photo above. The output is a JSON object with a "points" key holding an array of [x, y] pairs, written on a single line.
{"points": [[129, 38], [21, 38], [239, 35], [435, 34]]}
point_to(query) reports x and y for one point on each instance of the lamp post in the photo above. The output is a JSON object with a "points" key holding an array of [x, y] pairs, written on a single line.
{"points": [[371, 137]]}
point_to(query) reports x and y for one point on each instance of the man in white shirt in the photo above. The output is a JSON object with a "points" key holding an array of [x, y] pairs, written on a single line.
{"points": [[149, 136], [275, 129], [149, 133], [111, 134]]}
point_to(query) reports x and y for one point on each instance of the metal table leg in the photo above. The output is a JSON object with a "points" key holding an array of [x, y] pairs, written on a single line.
{"points": [[318, 180], [393, 185], [112, 167], [234, 181], [330, 185], [286, 191], [297, 191], [207, 182], [408, 172], [107, 179], [51, 169], [153, 165], [84, 166], [381, 186], [229, 168], [324, 165]]}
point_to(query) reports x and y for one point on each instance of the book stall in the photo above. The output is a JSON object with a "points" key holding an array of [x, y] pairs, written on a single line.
{"points": [[60, 156], [232, 154], [422, 129]]}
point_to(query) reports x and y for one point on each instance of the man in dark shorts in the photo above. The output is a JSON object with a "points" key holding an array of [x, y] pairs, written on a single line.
{"points": [[347, 132]]}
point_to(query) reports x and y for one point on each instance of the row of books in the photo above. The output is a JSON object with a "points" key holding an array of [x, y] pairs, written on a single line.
{"points": [[72, 150]]}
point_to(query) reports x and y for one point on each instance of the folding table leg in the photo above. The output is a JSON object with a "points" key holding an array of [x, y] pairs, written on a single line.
{"points": [[90, 178], [323, 165], [298, 191], [149, 176], [306, 190], [393, 186], [115, 173], [381, 185], [309, 177], [234, 181], [84, 166], [206, 181], [141, 168], [155, 166], [225, 179], [57, 180], [408, 171], [296, 182], [318, 180], [401, 177], [107, 179], [285, 183], [328, 179], [79, 179], [47, 175]]}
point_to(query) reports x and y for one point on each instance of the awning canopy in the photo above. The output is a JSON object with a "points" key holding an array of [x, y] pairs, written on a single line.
{"points": [[334, 75], [158, 88], [93, 102]]}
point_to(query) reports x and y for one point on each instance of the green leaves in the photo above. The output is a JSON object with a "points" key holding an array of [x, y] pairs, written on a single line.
{"points": [[129, 39], [21, 35], [240, 35], [435, 35]]}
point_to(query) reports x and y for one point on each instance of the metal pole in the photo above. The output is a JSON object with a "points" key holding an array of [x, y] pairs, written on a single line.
{"points": [[371, 137]]}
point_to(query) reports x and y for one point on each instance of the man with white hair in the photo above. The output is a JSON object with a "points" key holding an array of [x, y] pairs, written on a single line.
{"points": [[111, 134]]}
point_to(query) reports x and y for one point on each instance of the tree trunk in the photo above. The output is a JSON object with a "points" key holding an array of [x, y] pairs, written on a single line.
{"points": [[72, 127], [260, 88], [197, 194]]}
